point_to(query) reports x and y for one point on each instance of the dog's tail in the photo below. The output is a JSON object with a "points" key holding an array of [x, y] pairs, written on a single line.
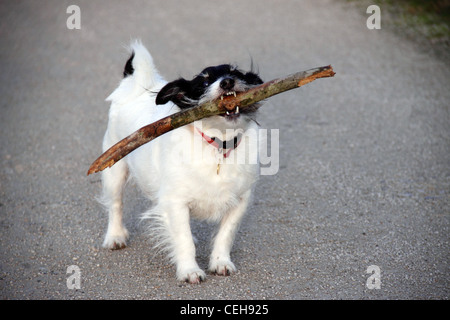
{"points": [[140, 75]]}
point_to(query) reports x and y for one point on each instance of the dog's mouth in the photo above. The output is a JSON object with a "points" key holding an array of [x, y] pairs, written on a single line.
{"points": [[233, 114], [229, 93]]}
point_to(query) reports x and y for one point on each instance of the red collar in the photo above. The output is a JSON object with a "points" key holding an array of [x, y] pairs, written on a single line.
{"points": [[229, 145]]}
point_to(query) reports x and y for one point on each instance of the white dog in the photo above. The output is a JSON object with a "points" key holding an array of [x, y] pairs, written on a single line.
{"points": [[204, 169]]}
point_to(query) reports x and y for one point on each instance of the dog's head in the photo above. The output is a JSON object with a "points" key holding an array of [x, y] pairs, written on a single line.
{"points": [[210, 84]]}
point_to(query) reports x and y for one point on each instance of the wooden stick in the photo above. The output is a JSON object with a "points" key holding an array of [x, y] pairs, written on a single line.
{"points": [[229, 103]]}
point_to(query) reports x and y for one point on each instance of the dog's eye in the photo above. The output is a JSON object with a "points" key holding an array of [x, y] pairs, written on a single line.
{"points": [[205, 83]]}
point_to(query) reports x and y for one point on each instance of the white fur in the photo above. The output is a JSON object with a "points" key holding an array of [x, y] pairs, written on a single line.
{"points": [[178, 172]]}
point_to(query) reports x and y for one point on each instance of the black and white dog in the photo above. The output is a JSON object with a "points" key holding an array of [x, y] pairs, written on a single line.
{"points": [[202, 170]]}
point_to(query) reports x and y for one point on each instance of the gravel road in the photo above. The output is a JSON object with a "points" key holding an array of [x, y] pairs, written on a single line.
{"points": [[364, 157]]}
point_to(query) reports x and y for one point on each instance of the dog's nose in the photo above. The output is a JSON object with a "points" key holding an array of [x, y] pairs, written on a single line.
{"points": [[227, 83]]}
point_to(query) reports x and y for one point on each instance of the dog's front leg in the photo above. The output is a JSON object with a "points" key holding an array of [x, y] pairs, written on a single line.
{"points": [[183, 247], [220, 262]]}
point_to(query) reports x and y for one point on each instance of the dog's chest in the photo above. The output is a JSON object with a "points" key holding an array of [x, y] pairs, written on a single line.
{"points": [[213, 195], [213, 199]]}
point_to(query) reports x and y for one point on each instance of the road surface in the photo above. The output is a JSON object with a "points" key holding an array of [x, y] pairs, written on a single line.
{"points": [[363, 177]]}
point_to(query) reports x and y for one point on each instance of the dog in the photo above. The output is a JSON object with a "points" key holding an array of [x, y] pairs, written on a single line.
{"points": [[202, 170]]}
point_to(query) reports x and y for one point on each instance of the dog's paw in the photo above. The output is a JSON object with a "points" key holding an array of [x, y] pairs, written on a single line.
{"points": [[116, 241], [192, 275], [222, 267]]}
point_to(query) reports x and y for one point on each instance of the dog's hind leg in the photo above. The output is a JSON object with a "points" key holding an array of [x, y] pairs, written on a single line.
{"points": [[114, 180]]}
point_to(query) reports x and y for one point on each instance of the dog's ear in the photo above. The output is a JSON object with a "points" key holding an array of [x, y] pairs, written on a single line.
{"points": [[252, 78], [174, 91]]}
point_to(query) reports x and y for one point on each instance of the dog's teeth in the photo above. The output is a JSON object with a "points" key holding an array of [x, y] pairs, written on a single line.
{"points": [[228, 113], [221, 97], [234, 93], [237, 110]]}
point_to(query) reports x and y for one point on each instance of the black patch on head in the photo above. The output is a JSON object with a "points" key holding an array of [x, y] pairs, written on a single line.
{"points": [[128, 70], [253, 78], [217, 72], [186, 94]]}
